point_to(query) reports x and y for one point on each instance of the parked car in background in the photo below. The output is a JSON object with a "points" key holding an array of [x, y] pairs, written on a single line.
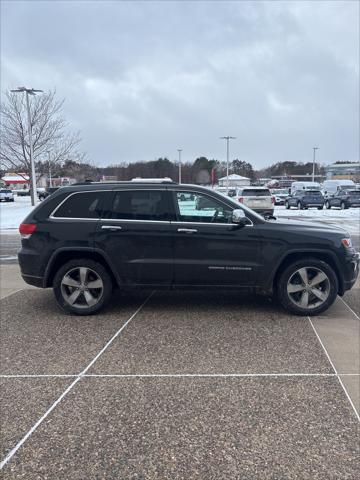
{"points": [[280, 195], [258, 199], [297, 186], [6, 195], [343, 199], [331, 187], [230, 192], [85, 241], [304, 199], [48, 191], [187, 196]]}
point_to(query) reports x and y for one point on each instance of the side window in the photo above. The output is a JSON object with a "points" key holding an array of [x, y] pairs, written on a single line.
{"points": [[198, 207], [141, 205], [82, 205]]}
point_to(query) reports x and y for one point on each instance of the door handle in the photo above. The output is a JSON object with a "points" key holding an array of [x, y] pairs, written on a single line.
{"points": [[112, 228], [187, 230]]}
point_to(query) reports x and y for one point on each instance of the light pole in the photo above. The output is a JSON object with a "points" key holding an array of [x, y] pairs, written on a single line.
{"points": [[227, 160], [50, 180], [313, 172], [179, 150], [30, 91]]}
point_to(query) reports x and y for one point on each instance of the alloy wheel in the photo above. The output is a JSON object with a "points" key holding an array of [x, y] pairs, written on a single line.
{"points": [[82, 287], [308, 287]]}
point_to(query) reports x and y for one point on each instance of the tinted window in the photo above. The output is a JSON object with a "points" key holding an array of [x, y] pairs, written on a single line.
{"points": [[255, 192], [82, 205], [202, 209], [313, 192], [141, 205], [5, 191]]}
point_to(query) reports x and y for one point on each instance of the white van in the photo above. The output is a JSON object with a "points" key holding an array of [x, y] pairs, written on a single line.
{"points": [[296, 186], [330, 187]]}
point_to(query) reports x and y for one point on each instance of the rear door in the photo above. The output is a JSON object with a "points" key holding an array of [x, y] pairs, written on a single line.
{"points": [[135, 234], [208, 249]]}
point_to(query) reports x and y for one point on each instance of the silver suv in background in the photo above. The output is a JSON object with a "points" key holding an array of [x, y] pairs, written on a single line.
{"points": [[258, 199], [6, 195]]}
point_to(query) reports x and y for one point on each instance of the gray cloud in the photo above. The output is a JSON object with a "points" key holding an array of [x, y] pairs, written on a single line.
{"points": [[142, 78]]}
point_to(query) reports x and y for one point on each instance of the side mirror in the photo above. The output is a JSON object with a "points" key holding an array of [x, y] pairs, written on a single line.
{"points": [[238, 217]]}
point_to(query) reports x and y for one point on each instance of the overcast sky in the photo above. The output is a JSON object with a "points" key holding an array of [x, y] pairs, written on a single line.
{"points": [[142, 79]]}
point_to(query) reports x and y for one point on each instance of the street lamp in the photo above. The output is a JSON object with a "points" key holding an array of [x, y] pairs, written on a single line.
{"points": [[49, 161], [313, 171], [30, 91], [227, 160], [179, 150]]}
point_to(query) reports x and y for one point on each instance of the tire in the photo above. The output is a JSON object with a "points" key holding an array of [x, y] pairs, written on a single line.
{"points": [[287, 206], [299, 206], [320, 208], [65, 287], [342, 205], [327, 205], [290, 279], [182, 198]]}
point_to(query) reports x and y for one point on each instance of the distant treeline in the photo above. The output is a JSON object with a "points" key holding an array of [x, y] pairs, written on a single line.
{"points": [[202, 171]]}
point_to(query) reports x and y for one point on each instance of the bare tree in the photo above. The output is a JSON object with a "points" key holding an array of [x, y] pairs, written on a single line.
{"points": [[49, 131]]}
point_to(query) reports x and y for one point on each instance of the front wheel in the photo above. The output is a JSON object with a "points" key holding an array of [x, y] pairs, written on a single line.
{"points": [[327, 205], [287, 206], [82, 287], [307, 287], [343, 206], [299, 206]]}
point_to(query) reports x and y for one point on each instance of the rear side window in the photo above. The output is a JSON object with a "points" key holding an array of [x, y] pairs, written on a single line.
{"points": [[253, 192], [141, 205], [81, 205]]}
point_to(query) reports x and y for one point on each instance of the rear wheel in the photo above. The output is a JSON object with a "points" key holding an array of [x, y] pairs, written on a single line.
{"points": [[327, 205], [343, 206], [299, 206], [287, 205], [82, 287], [307, 287]]}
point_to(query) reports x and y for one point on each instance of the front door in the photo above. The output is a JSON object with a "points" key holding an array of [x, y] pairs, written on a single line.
{"points": [[136, 235], [208, 248]]}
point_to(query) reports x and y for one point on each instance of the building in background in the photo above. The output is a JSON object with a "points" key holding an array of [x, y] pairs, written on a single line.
{"points": [[16, 181], [343, 171], [234, 181]]}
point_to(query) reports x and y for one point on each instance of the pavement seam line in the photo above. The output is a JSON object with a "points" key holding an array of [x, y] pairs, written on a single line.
{"points": [[179, 375], [333, 367], [67, 390], [351, 310]]}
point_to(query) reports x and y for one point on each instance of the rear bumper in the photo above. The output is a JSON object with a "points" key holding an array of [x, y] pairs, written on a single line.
{"points": [[34, 281]]}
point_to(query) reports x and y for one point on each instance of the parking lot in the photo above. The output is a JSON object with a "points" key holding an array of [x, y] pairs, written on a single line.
{"points": [[178, 385]]}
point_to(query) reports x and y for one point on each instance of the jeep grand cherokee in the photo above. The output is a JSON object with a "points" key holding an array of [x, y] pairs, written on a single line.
{"points": [[85, 240]]}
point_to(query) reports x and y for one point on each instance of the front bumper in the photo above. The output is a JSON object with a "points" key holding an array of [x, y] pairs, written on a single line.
{"points": [[351, 272]]}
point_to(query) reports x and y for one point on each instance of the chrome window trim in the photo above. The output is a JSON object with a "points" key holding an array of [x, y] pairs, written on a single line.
{"points": [[131, 220], [67, 198], [213, 223]]}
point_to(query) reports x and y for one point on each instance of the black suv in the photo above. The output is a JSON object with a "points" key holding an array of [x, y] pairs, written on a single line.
{"points": [[86, 240]]}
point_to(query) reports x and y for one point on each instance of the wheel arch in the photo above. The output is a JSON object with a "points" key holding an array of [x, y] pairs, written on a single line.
{"points": [[63, 255], [292, 257]]}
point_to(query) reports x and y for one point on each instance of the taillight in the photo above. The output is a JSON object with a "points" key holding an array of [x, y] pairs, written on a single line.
{"points": [[27, 229], [347, 242], [241, 199]]}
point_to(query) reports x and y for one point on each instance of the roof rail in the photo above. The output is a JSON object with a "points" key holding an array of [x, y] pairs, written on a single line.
{"points": [[117, 182]]}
